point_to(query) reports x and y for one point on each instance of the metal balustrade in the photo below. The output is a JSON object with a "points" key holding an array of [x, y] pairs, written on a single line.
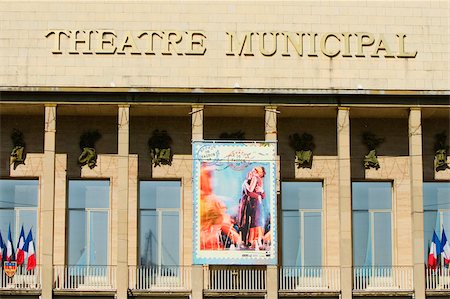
{"points": [[160, 278], [22, 279], [304, 279], [235, 279], [383, 278], [85, 278], [437, 279]]}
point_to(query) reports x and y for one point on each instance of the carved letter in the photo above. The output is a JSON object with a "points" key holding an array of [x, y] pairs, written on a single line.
{"points": [[382, 46], [262, 47], [323, 45], [102, 42], [362, 43], [196, 47], [312, 44], [298, 46], [346, 52], [58, 33], [241, 49], [128, 42], [74, 41], [167, 39], [401, 48], [150, 34]]}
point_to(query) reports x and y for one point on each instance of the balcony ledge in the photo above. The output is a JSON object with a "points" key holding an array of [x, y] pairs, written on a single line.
{"points": [[158, 294], [383, 293], [297, 293], [236, 293], [92, 292], [16, 292]]}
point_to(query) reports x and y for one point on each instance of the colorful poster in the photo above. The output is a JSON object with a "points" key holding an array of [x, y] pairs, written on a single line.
{"points": [[234, 186]]}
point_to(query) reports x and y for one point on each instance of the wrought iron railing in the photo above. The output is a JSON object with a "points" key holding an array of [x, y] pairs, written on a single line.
{"points": [[393, 278], [304, 279], [85, 278], [22, 279], [160, 278], [235, 279], [437, 279]]}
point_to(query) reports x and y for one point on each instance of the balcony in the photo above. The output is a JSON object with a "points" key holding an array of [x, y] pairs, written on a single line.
{"points": [[85, 279], [309, 279], [176, 279], [235, 280], [383, 279], [437, 280], [22, 282]]}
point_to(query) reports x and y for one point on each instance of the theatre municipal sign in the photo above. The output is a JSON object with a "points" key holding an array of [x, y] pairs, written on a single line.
{"points": [[302, 44]]}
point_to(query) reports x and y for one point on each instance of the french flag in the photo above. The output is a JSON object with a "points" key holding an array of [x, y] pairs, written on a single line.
{"points": [[445, 249], [20, 254], [31, 254], [434, 247], [2, 250], [9, 247]]}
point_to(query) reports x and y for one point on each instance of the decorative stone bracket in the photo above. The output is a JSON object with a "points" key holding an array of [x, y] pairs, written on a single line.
{"points": [[303, 146], [17, 155], [159, 147]]}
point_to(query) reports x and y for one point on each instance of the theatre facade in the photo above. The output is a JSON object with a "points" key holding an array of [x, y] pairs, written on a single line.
{"points": [[226, 149]]}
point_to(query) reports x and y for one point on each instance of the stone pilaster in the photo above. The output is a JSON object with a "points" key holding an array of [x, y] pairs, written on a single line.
{"points": [[197, 135], [197, 122], [416, 166], [122, 204], [345, 202], [47, 202]]}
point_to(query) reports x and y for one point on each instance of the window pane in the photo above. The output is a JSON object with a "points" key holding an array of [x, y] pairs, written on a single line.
{"points": [[160, 194], [291, 238], [436, 196], [148, 236], [18, 193], [313, 239], [7, 218], [301, 195], [362, 246], [98, 251], [170, 241], [382, 242], [77, 238], [88, 194], [371, 195]]}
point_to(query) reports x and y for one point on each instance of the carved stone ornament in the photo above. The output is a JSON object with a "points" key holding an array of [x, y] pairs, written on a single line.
{"points": [[303, 146], [88, 154], [440, 155], [18, 155], [160, 150], [371, 159]]}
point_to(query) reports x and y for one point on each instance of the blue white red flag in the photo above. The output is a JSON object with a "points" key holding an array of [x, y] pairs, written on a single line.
{"points": [[9, 247], [445, 249], [31, 254], [2, 250], [20, 254], [434, 248]]}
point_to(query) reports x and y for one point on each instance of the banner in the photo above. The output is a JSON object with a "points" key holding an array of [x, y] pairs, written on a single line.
{"points": [[234, 187]]}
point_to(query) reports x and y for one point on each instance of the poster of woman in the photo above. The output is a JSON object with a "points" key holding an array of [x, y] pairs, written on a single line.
{"points": [[234, 203]]}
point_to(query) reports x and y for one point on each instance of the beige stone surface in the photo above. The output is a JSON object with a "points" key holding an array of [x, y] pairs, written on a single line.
{"points": [[27, 60], [397, 170], [325, 168]]}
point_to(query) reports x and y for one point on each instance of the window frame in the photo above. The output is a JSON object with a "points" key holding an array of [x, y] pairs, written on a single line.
{"points": [[159, 212], [372, 213], [88, 211], [301, 212]]}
